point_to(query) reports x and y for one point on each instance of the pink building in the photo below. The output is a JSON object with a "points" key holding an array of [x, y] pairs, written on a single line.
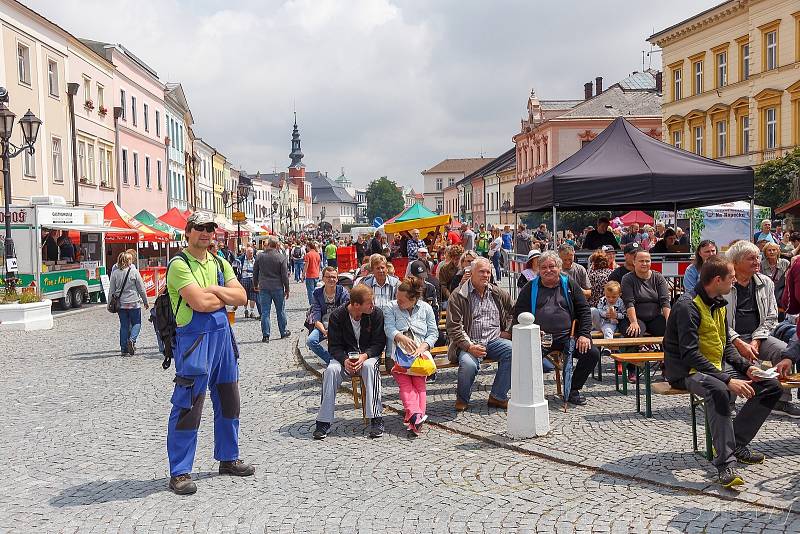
{"points": [[138, 100], [556, 129]]}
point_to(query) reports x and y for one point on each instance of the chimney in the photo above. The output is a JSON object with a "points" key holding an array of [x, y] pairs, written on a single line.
{"points": [[587, 90], [598, 85], [659, 82]]}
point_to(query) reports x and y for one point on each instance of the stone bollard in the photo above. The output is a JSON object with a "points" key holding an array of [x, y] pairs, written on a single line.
{"points": [[528, 413]]}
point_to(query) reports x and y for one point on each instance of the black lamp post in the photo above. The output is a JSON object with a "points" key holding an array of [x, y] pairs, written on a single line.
{"points": [[243, 192], [29, 124], [296, 218], [506, 207], [272, 215], [322, 214]]}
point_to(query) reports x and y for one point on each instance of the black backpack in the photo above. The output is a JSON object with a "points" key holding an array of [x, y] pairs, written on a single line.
{"points": [[165, 313], [297, 253]]}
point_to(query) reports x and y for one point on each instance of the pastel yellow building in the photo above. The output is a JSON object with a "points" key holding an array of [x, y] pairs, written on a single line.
{"points": [[732, 81], [218, 168]]}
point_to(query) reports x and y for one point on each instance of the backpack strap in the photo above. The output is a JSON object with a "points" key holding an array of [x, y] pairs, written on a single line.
{"points": [[181, 255]]}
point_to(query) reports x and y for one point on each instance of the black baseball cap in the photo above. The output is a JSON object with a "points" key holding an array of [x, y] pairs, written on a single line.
{"points": [[418, 267], [632, 248]]}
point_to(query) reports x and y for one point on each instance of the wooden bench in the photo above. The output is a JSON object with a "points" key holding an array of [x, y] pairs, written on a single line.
{"points": [[641, 360]]}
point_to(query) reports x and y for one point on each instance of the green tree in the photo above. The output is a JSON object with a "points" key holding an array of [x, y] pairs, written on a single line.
{"points": [[775, 180], [384, 200]]}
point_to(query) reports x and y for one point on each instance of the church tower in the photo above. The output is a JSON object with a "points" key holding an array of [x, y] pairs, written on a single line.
{"points": [[297, 175]]}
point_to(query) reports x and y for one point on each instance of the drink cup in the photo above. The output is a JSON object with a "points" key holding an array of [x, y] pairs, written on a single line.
{"points": [[547, 340], [353, 356]]}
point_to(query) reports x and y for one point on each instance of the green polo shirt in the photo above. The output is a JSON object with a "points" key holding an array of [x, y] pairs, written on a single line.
{"points": [[202, 273], [330, 251]]}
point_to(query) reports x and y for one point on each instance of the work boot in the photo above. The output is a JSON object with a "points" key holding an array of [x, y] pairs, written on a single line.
{"points": [[497, 403], [729, 478], [236, 468], [748, 456], [182, 484]]}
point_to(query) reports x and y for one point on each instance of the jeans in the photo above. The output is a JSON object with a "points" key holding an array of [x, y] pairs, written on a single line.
{"points": [[314, 344], [311, 284], [267, 298], [498, 350], [130, 323], [298, 269], [496, 263]]}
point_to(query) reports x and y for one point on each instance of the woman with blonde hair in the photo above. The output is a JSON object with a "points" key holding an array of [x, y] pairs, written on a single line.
{"points": [[126, 282]]}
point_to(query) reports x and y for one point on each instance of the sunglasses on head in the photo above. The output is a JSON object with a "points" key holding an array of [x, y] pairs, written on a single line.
{"points": [[208, 227]]}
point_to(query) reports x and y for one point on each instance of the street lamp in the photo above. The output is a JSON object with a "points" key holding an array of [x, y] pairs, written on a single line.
{"points": [[243, 192], [272, 215], [29, 124], [506, 207], [322, 214]]}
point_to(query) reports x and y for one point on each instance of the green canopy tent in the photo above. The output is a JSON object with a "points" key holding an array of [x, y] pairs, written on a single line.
{"points": [[412, 213]]}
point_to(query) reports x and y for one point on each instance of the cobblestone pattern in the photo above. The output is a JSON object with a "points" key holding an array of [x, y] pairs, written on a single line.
{"points": [[83, 450]]}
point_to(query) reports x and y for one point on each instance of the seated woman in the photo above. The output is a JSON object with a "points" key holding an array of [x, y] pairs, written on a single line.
{"points": [[646, 299], [448, 269], [775, 267], [411, 326], [464, 264], [705, 250], [598, 276], [531, 270]]}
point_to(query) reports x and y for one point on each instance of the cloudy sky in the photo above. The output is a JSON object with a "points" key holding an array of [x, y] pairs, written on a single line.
{"points": [[381, 87]]}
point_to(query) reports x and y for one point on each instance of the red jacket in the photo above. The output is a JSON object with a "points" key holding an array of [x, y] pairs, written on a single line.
{"points": [[791, 295]]}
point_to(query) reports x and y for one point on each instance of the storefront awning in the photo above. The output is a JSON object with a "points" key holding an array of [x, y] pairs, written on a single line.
{"points": [[116, 217]]}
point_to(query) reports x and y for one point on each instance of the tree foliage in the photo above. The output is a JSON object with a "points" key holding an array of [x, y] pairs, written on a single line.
{"points": [[384, 200], [775, 180], [566, 220]]}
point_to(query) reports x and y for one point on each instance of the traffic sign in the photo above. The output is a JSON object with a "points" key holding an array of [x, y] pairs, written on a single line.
{"points": [[377, 222], [238, 217]]}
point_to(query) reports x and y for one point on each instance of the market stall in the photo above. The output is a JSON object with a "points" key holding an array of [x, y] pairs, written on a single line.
{"points": [[417, 217]]}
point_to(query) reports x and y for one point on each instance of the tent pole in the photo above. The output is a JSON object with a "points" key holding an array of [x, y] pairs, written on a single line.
{"points": [[675, 214], [752, 215], [555, 227]]}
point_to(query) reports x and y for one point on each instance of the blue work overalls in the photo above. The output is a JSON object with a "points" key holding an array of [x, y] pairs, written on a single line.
{"points": [[205, 358]]}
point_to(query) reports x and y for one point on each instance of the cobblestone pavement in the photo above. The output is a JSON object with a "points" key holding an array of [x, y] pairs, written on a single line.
{"points": [[83, 450]]}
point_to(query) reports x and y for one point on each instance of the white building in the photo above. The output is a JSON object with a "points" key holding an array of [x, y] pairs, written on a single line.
{"points": [[205, 180], [445, 174], [178, 119], [331, 202]]}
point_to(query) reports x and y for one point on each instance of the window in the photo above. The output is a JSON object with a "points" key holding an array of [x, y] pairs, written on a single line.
{"points": [[29, 164], [744, 52], [82, 160], [722, 139], [58, 169], [87, 90], [158, 173], [450, 181], [147, 171], [103, 169], [771, 118], [109, 167], [146, 112], [124, 166], [745, 133], [52, 77], [180, 137], [133, 109], [136, 169], [676, 138], [438, 184], [101, 100], [771, 49], [439, 205], [90, 162], [722, 69], [677, 84], [158, 124], [124, 106], [697, 68], [698, 140], [24, 64]]}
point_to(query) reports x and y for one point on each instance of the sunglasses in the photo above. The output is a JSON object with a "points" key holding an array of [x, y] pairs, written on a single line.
{"points": [[208, 227]]}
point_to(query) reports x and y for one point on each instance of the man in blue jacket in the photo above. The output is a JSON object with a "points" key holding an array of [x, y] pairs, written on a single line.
{"points": [[324, 300]]}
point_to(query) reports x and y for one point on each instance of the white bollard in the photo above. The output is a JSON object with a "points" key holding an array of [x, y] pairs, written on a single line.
{"points": [[528, 413]]}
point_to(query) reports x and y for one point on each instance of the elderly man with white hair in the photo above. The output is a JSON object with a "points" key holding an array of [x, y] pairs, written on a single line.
{"points": [[556, 300], [752, 314], [766, 233], [479, 317]]}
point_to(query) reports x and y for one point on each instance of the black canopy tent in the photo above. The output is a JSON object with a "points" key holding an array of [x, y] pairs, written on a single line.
{"points": [[624, 168]]}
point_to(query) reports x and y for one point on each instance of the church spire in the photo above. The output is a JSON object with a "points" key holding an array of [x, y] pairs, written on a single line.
{"points": [[296, 155]]}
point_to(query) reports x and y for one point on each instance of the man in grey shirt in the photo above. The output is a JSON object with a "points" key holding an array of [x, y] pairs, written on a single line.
{"points": [[469, 238], [574, 271], [271, 277]]}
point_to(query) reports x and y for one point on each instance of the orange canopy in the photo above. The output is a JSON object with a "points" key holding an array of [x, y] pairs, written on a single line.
{"points": [[117, 217]]}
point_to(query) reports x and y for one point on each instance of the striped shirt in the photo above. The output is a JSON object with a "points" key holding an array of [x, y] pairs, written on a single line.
{"points": [[485, 325], [383, 296]]}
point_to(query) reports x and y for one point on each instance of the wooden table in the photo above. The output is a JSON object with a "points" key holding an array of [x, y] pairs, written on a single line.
{"points": [[619, 342]]}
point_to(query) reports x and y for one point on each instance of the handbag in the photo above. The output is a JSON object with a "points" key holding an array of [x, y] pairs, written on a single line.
{"points": [[413, 365], [113, 303]]}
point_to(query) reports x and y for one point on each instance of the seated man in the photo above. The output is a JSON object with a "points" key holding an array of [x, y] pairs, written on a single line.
{"points": [[575, 271], [478, 326], [752, 314], [431, 293], [555, 301], [355, 341], [696, 344], [324, 300]]}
